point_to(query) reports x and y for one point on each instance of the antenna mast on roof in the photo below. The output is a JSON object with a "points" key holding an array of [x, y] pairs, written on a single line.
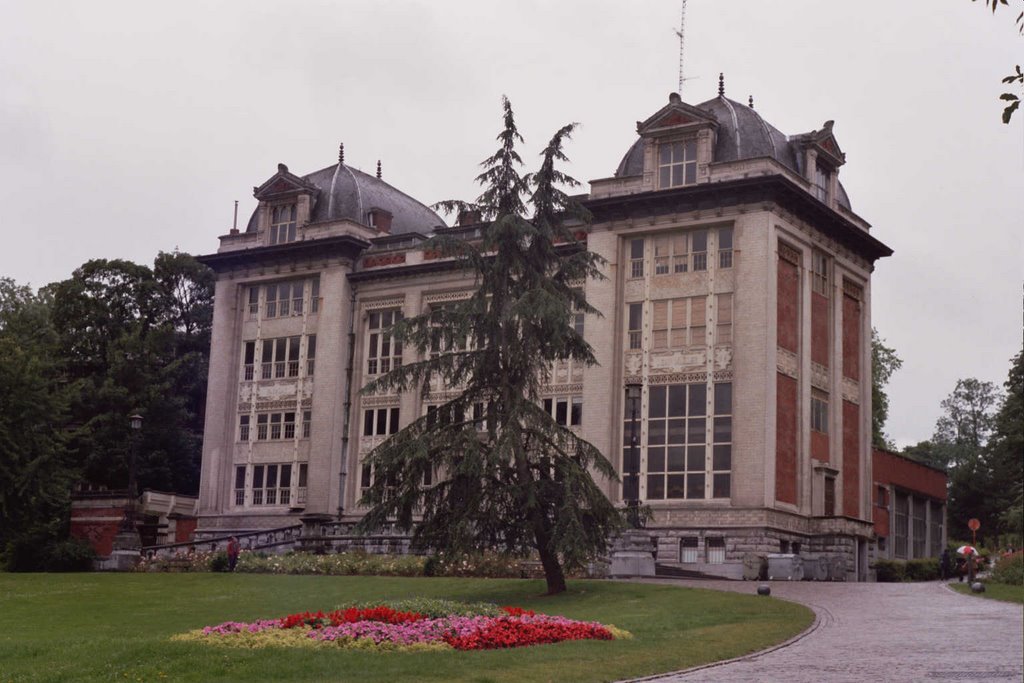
{"points": [[682, 29]]}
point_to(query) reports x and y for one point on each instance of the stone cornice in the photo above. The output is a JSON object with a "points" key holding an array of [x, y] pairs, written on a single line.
{"points": [[345, 246], [707, 197]]}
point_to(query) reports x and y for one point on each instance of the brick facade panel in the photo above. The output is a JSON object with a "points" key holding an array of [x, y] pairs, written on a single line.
{"points": [[786, 439]]}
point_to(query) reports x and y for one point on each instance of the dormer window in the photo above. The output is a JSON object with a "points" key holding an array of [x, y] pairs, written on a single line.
{"points": [[282, 223], [677, 163], [822, 182]]}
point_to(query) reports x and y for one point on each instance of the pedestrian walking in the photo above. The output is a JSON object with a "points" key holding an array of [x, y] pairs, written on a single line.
{"points": [[944, 564]]}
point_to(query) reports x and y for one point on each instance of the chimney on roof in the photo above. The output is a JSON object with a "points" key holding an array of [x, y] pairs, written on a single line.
{"points": [[234, 224], [469, 217], [281, 168]]}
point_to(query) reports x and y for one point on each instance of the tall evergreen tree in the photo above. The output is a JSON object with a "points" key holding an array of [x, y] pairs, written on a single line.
{"points": [[1006, 452], [502, 473]]}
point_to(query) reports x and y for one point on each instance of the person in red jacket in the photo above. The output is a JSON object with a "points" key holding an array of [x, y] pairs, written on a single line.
{"points": [[234, 548]]}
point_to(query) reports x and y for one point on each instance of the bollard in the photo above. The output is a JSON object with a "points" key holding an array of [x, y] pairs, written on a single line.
{"points": [[764, 589], [977, 587]]}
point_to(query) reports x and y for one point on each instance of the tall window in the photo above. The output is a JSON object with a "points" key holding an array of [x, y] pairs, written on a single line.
{"points": [[635, 331], [900, 530], [671, 253], [725, 247], [822, 180], [723, 329], [383, 352], [677, 163], [819, 411], [819, 274], [269, 426], [636, 258], [567, 411], [679, 323], [920, 507], [721, 435], [240, 485], [271, 484], [282, 223], [830, 496], [310, 354], [249, 360], [282, 299], [688, 549], [380, 421], [280, 358], [681, 460], [716, 549], [699, 249]]}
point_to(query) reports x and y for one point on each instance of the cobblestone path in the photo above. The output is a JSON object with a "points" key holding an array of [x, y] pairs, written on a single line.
{"points": [[880, 632]]}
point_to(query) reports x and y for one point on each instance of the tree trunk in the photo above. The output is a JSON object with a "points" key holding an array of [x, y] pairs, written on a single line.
{"points": [[553, 573]]}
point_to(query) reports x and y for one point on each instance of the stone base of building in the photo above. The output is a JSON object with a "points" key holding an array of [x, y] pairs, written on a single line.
{"points": [[632, 555]]}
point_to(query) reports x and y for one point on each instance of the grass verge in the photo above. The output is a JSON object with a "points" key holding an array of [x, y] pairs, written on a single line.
{"points": [[994, 591], [106, 627]]}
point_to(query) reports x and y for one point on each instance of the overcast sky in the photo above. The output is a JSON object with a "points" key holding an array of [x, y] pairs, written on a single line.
{"points": [[130, 127]]}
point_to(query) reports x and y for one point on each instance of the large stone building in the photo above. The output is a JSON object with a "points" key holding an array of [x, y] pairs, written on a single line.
{"points": [[737, 296]]}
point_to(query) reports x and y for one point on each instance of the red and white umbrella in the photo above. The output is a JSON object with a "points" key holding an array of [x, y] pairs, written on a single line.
{"points": [[967, 550]]}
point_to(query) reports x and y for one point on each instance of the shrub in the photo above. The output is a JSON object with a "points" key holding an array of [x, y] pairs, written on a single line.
{"points": [[72, 555], [340, 564], [890, 571], [219, 562], [923, 569], [1009, 569]]}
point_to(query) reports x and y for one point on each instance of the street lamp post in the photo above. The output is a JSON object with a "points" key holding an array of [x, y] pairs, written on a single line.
{"points": [[633, 498], [128, 521]]}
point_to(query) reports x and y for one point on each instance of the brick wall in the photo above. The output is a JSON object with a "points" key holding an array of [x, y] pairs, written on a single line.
{"points": [[788, 306], [895, 470], [819, 329], [851, 337], [786, 412], [851, 459]]}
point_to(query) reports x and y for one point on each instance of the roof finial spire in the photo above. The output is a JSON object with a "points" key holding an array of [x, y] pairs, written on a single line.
{"points": [[721, 84], [341, 153], [750, 101], [378, 169]]}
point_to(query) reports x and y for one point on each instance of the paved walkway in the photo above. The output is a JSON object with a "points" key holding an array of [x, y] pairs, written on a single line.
{"points": [[880, 632]]}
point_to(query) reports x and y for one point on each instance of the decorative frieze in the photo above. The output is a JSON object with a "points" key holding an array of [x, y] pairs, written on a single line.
{"points": [[852, 289], [380, 401], [445, 297], [382, 302], [786, 362], [819, 376], [788, 253], [679, 378], [851, 390]]}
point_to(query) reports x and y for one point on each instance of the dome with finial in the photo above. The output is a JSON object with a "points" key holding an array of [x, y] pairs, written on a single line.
{"points": [[742, 134], [344, 193]]}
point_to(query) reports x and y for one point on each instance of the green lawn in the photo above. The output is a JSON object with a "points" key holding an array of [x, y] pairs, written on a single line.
{"points": [[995, 591], [115, 627]]}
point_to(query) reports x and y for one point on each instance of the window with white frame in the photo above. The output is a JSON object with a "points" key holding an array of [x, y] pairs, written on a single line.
{"points": [[310, 354], [677, 163], [721, 440], [280, 357], [715, 546], [383, 352], [380, 421], [565, 410], [283, 223], [283, 299], [249, 361], [724, 236], [443, 341], [636, 258], [699, 250], [920, 545], [819, 411], [269, 426], [271, 484], [688, 549], [307, 423]]}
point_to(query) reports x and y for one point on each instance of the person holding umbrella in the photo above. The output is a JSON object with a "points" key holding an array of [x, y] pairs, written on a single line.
{"points": [[968, 551]]}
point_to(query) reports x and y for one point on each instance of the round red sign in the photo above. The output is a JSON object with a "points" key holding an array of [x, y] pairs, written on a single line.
{"points": [[973, 524]]}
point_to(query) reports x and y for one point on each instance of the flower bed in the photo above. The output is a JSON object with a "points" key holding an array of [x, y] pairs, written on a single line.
{"points": [[394, 627]]}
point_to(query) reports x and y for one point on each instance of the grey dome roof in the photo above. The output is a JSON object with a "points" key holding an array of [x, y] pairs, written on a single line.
{"points": [[742, 134], [348, 193]]}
